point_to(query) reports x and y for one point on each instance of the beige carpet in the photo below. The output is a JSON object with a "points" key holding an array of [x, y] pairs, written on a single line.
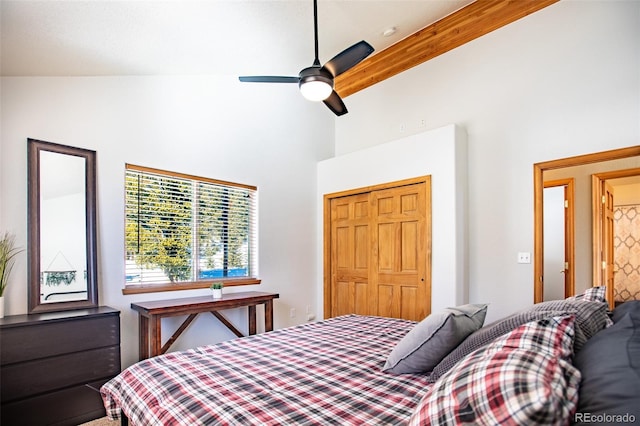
{"points": [[102, 422]]}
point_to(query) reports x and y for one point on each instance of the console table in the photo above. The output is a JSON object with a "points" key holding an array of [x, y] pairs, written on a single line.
{"points": [[151, 313]]}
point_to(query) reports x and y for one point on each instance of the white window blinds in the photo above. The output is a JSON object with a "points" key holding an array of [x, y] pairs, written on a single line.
{"points": [[182, 228]]}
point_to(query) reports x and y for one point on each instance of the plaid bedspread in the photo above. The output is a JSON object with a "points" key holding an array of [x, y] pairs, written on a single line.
{"points": [[320, 373]]}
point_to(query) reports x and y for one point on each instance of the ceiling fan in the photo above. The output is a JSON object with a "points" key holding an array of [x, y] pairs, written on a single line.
{"points": [[316, 82]]}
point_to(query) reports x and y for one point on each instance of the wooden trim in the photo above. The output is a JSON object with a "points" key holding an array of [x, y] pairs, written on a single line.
{"points": [[156, 288], [187, 176], [386, 185], [615, 174], [596, 231], [580, 160], [326, 250], [538, 185], [473, 21], [570, 232], [538, 243]]}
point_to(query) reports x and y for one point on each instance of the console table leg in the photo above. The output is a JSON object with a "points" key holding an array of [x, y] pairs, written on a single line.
{"points": [[268, 315], [178, 332], [227, 324], [252, 320], [156, 338], [143, 342]]}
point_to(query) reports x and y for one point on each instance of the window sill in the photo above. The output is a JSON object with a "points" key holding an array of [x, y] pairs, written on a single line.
{"points": [[157, 288]]}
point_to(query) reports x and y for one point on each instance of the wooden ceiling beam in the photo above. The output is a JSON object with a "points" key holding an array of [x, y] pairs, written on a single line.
{"points": [[473, 21]]}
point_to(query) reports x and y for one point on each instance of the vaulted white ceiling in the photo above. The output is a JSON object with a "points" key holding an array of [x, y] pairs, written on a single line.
{"points": [[231, 37]]}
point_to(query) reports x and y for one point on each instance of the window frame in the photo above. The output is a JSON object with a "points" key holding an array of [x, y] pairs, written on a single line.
{"points": [[188, 285]]}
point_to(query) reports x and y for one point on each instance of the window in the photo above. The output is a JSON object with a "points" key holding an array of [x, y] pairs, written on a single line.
{"points": [[184, 231]]}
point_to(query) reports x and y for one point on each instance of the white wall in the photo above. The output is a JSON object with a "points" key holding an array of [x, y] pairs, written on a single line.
{"points": [[439, 153], [564, 81], [264, 135]]}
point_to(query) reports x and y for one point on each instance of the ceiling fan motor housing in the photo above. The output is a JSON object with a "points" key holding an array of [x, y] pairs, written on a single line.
{"points": [[316, 73]]}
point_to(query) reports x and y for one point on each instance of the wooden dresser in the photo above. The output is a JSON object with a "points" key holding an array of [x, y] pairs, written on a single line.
{"points": [[52, 365]]}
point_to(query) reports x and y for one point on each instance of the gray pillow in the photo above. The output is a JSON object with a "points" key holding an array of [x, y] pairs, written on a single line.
{"points": [[628, 306], [610, 368], [592, 294], [434, 337], [591, 317]]}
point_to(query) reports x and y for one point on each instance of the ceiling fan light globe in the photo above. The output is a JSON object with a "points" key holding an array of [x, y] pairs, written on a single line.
{"points": [[315, 90]]}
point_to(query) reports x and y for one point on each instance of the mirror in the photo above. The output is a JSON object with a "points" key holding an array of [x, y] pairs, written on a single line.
{"points": [[62, 227], [589, 250]]}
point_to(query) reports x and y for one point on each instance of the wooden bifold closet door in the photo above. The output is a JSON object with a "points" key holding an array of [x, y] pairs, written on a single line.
{"points": [[379, 251]]}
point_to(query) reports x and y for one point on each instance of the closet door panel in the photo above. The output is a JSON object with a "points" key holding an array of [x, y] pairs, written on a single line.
{"points": [[379, 256]]}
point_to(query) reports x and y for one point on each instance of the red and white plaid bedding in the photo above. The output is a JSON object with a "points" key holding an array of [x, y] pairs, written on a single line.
{"points": [[319, 373]]}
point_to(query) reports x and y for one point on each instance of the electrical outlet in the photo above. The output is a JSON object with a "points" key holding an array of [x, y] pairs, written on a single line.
{"points": [[524, 257], [310, 316], [292, 313], [403, 127]]}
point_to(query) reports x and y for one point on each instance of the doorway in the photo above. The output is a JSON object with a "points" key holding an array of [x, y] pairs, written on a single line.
{"points": [[629, 154], [559, 243], [616, 233]]}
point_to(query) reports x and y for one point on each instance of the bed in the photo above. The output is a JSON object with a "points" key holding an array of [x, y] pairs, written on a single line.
{"points": [[559, 362], [319, 373]]}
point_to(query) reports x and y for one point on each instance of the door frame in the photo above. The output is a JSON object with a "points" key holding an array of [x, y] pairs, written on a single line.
{"points": [[538, 186], [597, 181], [326, 230], [569, 232]]}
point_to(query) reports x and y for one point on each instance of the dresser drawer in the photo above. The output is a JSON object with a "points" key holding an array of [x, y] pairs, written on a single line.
{"points": [[68, 407], [30, 378], [56, 338], [49, 359]]}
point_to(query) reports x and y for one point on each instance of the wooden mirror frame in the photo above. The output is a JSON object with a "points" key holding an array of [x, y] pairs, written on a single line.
{"points": [[538, 186], [34, 148]]}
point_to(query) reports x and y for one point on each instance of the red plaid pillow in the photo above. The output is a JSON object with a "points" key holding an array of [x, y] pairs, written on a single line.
{"points": [[522, 378]]}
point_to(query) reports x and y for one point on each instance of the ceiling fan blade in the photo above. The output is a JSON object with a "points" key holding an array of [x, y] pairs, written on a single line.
{"points": [[335, 104], [269, 79], [348, 58]]}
